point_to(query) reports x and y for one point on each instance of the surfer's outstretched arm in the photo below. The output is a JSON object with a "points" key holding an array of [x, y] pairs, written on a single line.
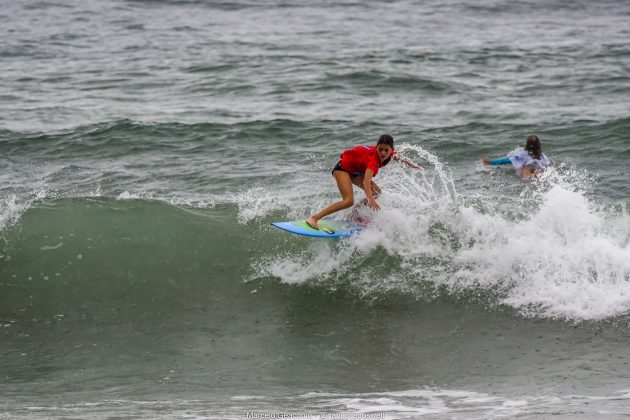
{"points": [[498, 161], [408, 162]]}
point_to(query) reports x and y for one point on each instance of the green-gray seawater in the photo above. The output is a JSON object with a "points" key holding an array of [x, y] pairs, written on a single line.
{"points": [[147, 146]]}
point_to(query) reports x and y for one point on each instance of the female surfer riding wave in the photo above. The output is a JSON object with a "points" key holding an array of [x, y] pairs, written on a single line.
{"points": [[358, 166]]}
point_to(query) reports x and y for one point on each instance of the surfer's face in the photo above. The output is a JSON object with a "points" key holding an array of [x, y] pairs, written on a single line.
{"points": [[384, 151]]}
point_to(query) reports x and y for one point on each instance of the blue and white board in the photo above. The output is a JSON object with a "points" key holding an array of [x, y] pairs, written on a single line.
{"points": [[327, 228]]}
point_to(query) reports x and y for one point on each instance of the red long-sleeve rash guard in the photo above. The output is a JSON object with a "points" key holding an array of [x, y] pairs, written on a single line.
{"points": [[361, 158]]}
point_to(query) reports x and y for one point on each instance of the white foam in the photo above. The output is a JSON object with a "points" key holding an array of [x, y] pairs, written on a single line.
{"points": [[295, 197], [51, 247], [256, 203], [550, 252], [564, 261], [459, 403], [403, 404], [139, 195], [193, 201], [11, 210]]}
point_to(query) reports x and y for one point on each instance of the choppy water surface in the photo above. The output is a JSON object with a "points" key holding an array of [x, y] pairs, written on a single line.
{"points": [[147, 146]]}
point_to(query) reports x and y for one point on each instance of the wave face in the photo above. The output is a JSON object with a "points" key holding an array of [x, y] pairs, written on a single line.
{"points": [[553, 248], [103, 258]]}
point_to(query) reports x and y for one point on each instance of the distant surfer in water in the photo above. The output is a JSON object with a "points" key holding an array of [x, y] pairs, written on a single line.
{"points": [[528, 161], [358, 166]]}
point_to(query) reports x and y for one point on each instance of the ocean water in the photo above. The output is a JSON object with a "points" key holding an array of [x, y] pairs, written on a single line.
{"points": [[146, 146]]}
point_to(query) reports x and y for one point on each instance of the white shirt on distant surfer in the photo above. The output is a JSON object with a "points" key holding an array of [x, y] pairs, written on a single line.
{"points": [[529, 161]]}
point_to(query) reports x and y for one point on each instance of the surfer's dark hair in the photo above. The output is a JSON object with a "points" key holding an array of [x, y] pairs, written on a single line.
{"points": [[532, 145], [386, 139]]}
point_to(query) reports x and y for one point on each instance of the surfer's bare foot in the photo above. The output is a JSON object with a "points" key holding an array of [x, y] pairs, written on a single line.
{"points": [[312, 223]]}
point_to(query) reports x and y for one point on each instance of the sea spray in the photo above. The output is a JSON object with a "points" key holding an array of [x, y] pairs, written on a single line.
{"points": [[551, 252], [399, 234]]}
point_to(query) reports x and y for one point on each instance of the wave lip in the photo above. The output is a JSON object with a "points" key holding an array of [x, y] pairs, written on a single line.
{"points": [[566, 261]]}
